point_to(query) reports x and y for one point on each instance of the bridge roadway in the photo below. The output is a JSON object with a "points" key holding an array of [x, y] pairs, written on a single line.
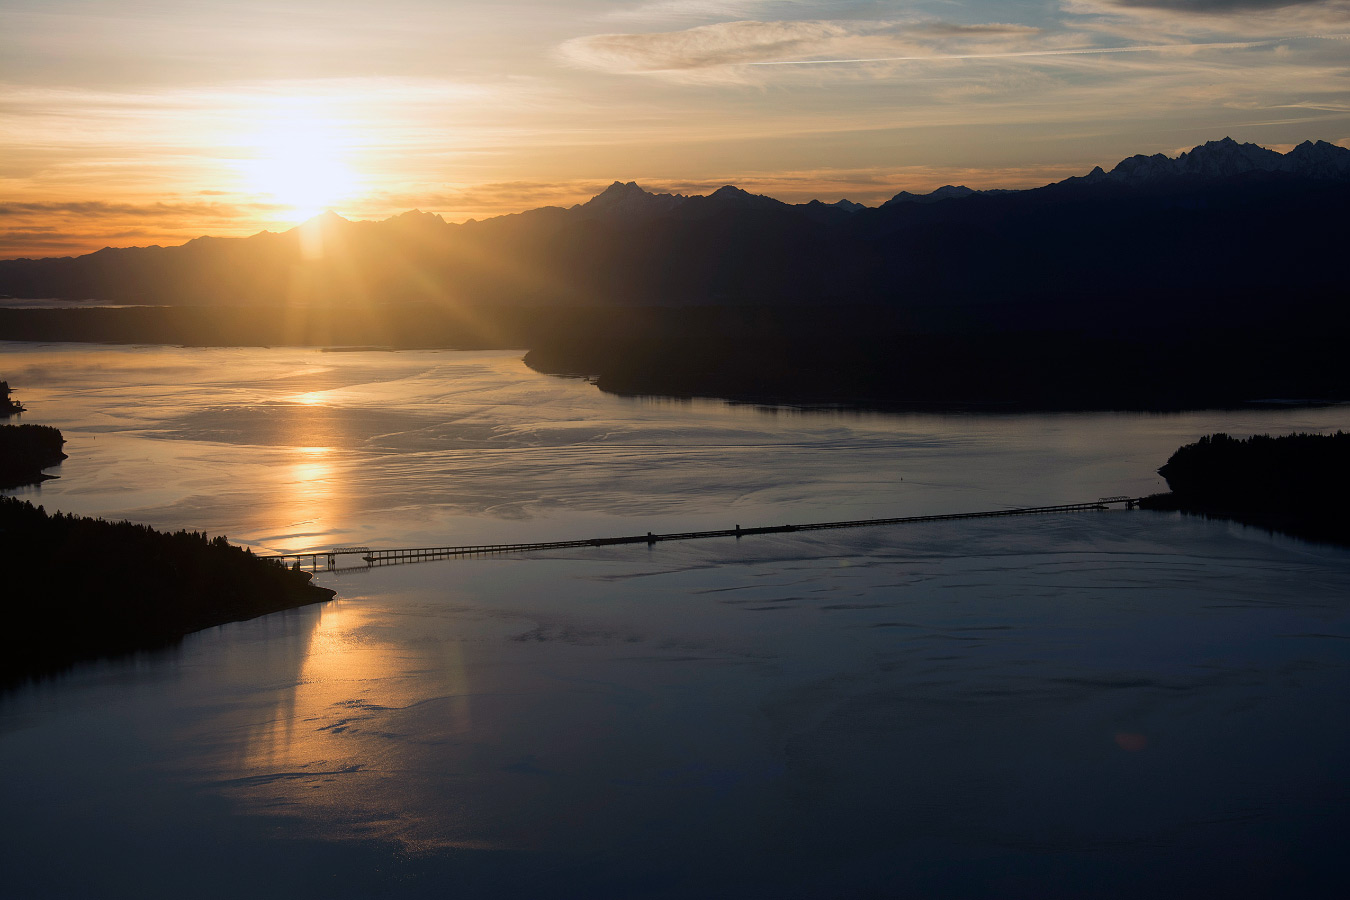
{"points": [[402, 555]]}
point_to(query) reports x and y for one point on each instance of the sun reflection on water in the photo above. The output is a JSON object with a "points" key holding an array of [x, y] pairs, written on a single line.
{"points": [[344, 676], [310, 505], [334, 746], [312, 500]]}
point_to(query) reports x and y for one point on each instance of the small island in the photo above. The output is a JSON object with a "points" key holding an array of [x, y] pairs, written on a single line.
{"points": [[1298, 483], [79, 588]]}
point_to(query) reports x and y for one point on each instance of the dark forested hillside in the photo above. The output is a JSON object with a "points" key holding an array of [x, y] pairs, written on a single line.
{"points": [[1299, 483], [78, 588], [25, 450]]}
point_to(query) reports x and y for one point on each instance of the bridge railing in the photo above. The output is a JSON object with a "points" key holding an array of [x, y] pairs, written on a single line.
{"points": [[393, 555]]}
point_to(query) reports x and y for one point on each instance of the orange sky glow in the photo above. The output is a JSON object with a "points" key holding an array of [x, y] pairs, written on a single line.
{"points": [[153, 122]]}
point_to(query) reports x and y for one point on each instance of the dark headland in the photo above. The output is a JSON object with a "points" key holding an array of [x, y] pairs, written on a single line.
{"points": [[1209, 279], [1298, 484], [78, 588], [25, 450]]}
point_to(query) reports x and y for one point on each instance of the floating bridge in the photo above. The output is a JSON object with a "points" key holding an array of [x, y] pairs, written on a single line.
{"points": [[328, 560]]}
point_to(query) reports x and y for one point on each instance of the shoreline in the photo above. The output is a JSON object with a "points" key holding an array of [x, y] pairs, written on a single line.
{"points": [[852, 357], [1286, 523], [134, 589], [1295, 484]]}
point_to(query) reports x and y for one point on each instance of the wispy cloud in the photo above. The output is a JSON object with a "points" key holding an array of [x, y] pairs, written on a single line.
{"points": [[703, 9], [724, 48], [702, 47], [1194, 18], [1017, 54], [103, 209], [744, 51], [1215, 7]]}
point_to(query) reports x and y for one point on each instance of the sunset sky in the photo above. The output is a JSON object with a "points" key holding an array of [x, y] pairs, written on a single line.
{"points": [[154, 121]]}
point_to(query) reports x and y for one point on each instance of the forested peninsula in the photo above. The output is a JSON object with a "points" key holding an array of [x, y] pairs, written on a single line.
{"points": [[875, 357], [78, 588], [25, 450], [1298, 483]]}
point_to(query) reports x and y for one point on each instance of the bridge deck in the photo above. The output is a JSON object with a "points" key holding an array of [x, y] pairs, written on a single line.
{"points": [[397, 555]]}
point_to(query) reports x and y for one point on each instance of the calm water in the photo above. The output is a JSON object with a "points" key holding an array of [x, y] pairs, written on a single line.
{"points": [[1106, 704]]}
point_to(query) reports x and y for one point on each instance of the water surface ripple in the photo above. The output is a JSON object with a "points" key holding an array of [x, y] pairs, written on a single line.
{"points": [[1093, 705]]}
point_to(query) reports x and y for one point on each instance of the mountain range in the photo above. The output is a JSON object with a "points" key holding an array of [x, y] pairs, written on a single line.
{"points": [[1195, 222], [1169, 267], [1214, 161]]}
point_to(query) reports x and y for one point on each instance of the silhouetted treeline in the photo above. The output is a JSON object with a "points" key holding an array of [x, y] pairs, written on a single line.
{"points": [[25, 450], [78, 588], [1299, 483]]}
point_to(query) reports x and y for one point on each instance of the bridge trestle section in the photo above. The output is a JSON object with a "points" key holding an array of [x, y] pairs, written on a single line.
{"points": [[372, 557]]}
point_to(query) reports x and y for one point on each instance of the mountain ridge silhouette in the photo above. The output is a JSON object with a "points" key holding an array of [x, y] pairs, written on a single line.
{"points": [[1211, 161], [627, 245], [1213, 277]]}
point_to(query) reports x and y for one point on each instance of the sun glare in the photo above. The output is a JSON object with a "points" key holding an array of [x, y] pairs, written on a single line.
{"points": [[299, 165]]}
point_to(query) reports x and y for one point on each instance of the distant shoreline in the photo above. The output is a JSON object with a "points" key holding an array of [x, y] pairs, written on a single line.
{"points": [[871, 358], [857, 357]]}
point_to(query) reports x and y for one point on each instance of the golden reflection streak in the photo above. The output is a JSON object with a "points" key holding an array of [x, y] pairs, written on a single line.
{"points": [[333, 742], [309, 502]]}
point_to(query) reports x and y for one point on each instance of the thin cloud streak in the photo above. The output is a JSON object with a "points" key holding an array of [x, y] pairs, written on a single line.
{"points": [[727, 53], [697, 9], [701, 47], [89, 208], [1214, 7], [1073, 51]]}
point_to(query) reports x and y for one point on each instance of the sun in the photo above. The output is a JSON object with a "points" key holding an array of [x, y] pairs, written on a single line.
{"points": [[298, 165]]}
